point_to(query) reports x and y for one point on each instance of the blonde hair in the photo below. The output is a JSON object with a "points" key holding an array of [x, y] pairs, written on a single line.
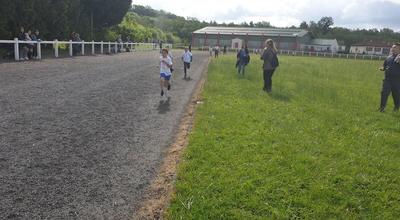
{"points": [[271, 44]]}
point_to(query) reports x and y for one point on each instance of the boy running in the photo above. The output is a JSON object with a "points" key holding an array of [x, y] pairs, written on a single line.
{"points": [[187, 58], [165, 71]]}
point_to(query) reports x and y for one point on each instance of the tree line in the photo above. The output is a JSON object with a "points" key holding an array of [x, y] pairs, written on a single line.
{"points": [[106, 20], [56, 19]]}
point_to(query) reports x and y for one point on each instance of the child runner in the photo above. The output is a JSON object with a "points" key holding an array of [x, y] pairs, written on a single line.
{"points": [[165, 71], [187, 59], [171, 57]]}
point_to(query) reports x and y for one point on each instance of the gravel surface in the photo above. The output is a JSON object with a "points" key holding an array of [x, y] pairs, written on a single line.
{"points": [[81, 138]]}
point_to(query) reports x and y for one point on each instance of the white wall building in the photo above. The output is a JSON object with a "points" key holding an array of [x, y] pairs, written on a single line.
{"points": [[370, 49], [321, 45]]}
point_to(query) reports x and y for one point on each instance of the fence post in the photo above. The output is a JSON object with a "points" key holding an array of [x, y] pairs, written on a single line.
{"points": [[39, 50], [347, 56], [71, 53], [131, 47], [56, 48], [109, 47], [116, 47], [332, 55], [83, 47], [371, 57], [92, 47], [16, 49], [102, 47]]}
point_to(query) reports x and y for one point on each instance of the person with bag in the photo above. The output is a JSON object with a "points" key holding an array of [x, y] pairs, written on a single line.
{"points": [[271, 62]]}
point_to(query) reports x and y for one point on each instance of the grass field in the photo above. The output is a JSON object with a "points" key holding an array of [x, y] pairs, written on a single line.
{"points": [[314, 149]]}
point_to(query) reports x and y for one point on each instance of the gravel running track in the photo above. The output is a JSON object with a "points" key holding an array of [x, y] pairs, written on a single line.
{"points": [[81, 138]]}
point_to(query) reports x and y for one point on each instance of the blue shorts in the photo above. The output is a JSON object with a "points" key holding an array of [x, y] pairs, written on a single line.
{"points": [[165, 76]]}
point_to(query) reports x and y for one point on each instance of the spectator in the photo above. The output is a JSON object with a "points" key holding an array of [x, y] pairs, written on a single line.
{"points": [[242, 60], [29, 45], [161, 46], [271, 62], [216, 51], [119, 44], [23, 49], [391, 83], [128, 46], [75, 47], [35, 37], [210, 49]]}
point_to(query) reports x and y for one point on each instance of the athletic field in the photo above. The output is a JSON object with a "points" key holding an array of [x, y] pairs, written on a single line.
{"points": [[315, 149]]}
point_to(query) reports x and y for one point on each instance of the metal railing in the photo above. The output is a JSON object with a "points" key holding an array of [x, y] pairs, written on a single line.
{"points": [[111, 47]]}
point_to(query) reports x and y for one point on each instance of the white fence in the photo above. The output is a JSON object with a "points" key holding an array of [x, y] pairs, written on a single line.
{"points": [[110, 47], [332, 55], [312, 54]]}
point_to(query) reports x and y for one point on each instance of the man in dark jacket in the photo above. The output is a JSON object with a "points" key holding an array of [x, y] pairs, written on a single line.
{"points": [[391, 83]]}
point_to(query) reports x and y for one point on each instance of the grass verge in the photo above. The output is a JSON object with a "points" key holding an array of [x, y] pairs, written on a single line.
{"points": [[316, 148]]}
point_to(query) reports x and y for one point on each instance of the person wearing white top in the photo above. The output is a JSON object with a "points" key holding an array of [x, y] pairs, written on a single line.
{"points": [[187, 58], [165, 71]]}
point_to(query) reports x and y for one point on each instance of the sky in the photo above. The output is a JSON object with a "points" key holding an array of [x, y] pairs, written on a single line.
{"points": [[284, 13]]}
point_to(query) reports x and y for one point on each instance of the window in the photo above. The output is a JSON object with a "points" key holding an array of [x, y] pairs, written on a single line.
{"points": [[378, 49], [369, 49]]}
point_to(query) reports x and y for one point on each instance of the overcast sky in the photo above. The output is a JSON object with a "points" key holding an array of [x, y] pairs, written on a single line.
{"points": [[283, 13]]}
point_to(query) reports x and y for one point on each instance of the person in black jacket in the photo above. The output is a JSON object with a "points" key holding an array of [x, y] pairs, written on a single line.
{"points": [[391, 83], [270, 64], [23, 49]]}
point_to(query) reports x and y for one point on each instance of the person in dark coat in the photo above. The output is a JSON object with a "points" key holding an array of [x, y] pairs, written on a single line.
{"points": [[391, 83], [271, 62], [243, 58]]}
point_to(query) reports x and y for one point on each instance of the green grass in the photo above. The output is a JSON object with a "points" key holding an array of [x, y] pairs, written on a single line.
{"points": [[315, 149]]}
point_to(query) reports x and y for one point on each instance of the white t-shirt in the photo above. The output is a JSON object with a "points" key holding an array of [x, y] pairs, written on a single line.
{"points": [[163, 67], [187, 57]]}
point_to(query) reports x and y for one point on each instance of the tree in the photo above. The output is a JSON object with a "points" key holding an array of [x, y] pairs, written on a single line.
{"points": [[324, 24], [304, 25]]}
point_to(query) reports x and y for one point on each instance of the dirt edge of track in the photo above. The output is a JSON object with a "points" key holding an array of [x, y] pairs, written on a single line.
{"points": [[158, 195]]}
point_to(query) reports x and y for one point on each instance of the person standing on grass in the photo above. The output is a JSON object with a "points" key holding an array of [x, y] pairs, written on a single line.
{"points": [[165, 71], [187, 58], [271, 62], [391, 83], [242, 60], [216, 51]]}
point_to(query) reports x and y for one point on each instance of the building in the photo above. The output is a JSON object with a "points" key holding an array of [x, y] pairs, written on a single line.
{"points": [[321, 45], [371, 48], [342, 47], [235, 37]]}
